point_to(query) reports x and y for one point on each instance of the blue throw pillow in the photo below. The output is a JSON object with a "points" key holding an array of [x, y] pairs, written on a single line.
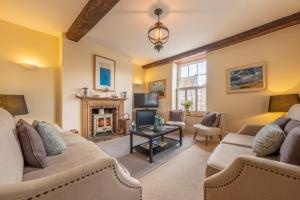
{"points": [[268, 140], [53, 142]]}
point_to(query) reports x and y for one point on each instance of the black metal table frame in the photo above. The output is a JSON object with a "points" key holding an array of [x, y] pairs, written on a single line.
{"points": [[151, 138]]}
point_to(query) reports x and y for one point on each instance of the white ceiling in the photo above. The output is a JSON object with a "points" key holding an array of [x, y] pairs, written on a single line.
{"points": [[192, 23]]}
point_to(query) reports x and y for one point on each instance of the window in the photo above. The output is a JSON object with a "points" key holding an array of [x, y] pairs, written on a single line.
{"points": [[192, 85]]}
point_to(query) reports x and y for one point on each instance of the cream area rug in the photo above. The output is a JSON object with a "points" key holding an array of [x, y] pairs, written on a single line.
{"points": [[181, 178], [137, 163]]}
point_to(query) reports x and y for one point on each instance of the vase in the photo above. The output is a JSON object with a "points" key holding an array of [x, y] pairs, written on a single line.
{"points": [[158, 123], [187, 111]]}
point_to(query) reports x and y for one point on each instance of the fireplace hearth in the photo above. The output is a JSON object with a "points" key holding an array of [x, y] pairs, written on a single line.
{"points": [[101, 116]]}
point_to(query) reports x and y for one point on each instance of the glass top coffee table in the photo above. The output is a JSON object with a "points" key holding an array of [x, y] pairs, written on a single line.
{"points": [[158, 140]]}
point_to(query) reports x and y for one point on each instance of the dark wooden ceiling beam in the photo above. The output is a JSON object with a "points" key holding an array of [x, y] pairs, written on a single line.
{"points": [[89, 16], [276, 25]]}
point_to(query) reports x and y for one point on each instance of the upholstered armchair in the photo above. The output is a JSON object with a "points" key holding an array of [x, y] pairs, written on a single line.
{"points": [[177, 118], [217, 128]]}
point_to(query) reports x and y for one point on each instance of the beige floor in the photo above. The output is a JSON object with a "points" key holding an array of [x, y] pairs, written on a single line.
{"points": [[180, 178]]}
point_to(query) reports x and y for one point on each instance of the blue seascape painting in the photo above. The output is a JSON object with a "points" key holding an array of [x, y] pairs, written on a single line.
{"points": [[247, 78], [105, 77]]}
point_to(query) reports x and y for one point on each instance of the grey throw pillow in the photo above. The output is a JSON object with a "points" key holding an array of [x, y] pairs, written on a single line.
{"points": [[289, 151], [291, 125], [176, 115], [53, 142], [209, 119], [268, 140], [32, 145], [281, 121]]}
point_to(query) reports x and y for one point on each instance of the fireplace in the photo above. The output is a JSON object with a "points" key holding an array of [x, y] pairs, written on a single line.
{"points": [[103, 123], [101, 115]]}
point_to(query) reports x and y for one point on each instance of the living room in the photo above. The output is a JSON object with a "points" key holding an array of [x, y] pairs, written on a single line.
{"points": [[149, 100]]}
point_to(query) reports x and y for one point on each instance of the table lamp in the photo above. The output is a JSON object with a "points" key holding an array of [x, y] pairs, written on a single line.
{"points": [[15, 104], [282, 103]]}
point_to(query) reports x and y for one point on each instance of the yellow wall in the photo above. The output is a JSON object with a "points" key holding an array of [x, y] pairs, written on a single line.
{"points": [[39, 86], [138, 79], [281, 51], [159, 73], [77, 72]]}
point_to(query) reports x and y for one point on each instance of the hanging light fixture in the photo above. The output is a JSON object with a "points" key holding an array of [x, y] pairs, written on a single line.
{"points": [[158, 34]]}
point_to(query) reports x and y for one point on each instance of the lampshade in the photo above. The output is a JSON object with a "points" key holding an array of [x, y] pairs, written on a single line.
{"points": [[282, 103], [15, 104]]}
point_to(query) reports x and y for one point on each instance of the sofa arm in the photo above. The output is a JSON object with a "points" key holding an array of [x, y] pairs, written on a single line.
{"points": [[250, 129], [251, 178], [97, 180]]}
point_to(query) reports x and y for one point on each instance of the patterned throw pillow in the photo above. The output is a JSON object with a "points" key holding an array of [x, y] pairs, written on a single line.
{"points": [[32, 145], [53, 142], [268, 140]]}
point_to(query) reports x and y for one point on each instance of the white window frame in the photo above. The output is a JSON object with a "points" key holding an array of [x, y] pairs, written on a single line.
{"points": [[197, 111]]}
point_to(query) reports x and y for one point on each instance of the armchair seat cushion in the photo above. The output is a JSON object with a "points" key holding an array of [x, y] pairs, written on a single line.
{"points": [[181, 124], [238, 140], [75, 155], [209, 131]]}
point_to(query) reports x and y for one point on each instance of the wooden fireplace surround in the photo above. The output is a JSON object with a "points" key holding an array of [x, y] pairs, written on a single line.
{"points": [[89, 103]]}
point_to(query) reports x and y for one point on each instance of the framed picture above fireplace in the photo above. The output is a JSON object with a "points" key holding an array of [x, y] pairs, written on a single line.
{"points": [[104, 73]]}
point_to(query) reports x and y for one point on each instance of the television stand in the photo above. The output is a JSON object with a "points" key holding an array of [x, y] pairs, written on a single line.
{"points": [[145, 117]]}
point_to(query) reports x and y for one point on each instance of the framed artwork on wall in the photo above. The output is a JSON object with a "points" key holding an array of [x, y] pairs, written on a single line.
{"points": [[247, 78], [104, 73], [158, 87]]}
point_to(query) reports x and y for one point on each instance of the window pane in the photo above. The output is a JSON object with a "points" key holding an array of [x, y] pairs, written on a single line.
{"points": [[202, 67], [184, 72], [184, 82], [193, 69], [180, 98], [201, 80], [191, 95], [201, 104]]}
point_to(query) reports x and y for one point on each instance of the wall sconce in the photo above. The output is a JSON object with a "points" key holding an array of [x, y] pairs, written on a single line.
{"points": [[29, 66], [137, 84]]}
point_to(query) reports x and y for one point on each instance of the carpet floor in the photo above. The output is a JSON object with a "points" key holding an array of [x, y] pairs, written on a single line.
{"points": [[137, 163], [181, 178]]}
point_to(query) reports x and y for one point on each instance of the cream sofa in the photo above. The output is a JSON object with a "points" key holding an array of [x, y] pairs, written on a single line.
{"points": [[83, 171], [235, 173]]}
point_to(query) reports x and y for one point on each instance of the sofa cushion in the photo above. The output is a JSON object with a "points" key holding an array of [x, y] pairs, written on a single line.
{"points": [[11, 158], [53, 142], [281, 122], [77, 154], [71, 138], [224, 154], [32, 145], [209, 119], [239, 140], [289, 151], [291, 125], [268, 140]]}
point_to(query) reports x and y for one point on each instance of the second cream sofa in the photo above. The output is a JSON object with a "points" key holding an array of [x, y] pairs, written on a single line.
{"points": [[234, 172]]}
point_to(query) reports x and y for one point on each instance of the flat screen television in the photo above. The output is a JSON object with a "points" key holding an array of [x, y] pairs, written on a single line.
{"points": [[145, 100]]}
